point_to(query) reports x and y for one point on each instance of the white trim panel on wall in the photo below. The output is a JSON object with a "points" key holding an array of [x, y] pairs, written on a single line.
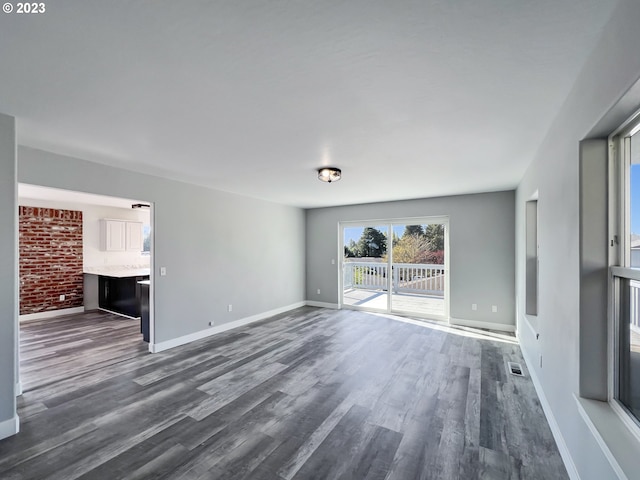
{"points": [[553, 424], [51, 314], [481, 324], [9, 427], [333, 306], [176, 342]]}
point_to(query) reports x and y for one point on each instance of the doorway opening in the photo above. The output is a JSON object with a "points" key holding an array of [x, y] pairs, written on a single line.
{"points": [[396, 266], [86, 271]]}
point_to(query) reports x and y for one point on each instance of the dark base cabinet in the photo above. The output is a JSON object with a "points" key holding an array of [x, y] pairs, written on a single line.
{"points": [[120, 295]]}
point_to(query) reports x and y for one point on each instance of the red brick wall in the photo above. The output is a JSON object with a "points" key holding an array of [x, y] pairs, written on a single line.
{"points": [[50, 259]]}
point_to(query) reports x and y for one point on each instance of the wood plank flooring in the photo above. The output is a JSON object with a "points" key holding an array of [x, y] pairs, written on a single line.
{"points": [[310, 394]]}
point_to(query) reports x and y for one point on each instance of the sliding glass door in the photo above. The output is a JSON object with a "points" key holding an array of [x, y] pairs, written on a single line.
{"points": [[396, 266], [365, 267], [417, 260]]}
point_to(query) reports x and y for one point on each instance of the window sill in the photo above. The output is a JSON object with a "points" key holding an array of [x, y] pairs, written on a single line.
{"points": [[618, 443]]}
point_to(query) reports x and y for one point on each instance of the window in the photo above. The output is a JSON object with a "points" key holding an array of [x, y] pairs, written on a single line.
{"points": [[146, 239], [625, 153]]}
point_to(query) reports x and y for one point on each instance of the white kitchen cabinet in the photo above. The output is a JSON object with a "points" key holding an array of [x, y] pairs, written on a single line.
{"points": [[113, 235], [134, 236], [120, 235]]}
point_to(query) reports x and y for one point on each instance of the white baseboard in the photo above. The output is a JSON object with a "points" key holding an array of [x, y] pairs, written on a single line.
{"points": [[118, 313], [9, 427], [17, 389], [192, 337], [553, 424], [480, 324], [311, 303], [50, 314]]}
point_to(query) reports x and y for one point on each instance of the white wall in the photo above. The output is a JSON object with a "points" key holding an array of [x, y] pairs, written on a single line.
{"points": [[612, 68], [91, 215], [481, 243]]}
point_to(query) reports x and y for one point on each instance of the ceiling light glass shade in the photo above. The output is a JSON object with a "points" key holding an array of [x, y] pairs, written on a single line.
{"points": [[329, 174]]}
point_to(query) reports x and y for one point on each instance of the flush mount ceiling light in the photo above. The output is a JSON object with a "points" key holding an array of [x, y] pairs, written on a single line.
{"points": [[329, 174]]}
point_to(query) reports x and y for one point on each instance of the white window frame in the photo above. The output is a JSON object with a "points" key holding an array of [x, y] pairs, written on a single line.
{"points": [[389, 223], [619, 254]]}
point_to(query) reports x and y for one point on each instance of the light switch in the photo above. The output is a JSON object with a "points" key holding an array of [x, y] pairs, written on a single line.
{"points": [[163, 271]]}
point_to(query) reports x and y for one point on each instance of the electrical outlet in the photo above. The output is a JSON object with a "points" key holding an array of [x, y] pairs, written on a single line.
{"points": [[318, 291], [62, 297], [211, 324], [474, 306], [230, 308], [494, 308], [163, 271], [333, 261]]}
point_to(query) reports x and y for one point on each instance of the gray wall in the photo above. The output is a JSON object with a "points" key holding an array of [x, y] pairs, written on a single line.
{"points": [[218, 248], [8, 272], [612, 68], [481, 236]]}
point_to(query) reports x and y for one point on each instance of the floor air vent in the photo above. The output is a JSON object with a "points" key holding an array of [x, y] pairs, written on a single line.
{"points": [[515, 369]]}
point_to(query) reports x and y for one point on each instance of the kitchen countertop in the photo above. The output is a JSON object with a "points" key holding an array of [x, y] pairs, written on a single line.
{"points": [[119, 271]]}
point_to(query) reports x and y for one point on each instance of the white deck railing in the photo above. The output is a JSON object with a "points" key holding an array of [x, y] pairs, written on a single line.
{"points": [[420, 278]]}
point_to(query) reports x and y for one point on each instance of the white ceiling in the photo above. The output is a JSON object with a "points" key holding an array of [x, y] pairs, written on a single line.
{"points": [[36, 192], [410, 98]]}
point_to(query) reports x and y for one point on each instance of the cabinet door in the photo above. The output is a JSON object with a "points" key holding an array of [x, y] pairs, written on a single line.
{"points": [[134, 236], [112, 236]]}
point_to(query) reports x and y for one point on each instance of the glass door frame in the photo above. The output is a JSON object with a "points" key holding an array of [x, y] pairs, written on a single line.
{"points": [[389, 223]]}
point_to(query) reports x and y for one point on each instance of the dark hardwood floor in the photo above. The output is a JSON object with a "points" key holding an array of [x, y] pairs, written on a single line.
{"points": [[310, 394]]}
